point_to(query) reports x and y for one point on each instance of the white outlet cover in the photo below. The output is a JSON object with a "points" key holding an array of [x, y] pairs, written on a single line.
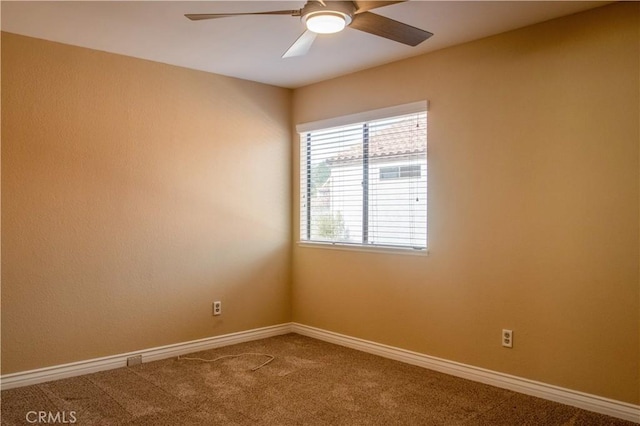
{"points": [[507, 338]]}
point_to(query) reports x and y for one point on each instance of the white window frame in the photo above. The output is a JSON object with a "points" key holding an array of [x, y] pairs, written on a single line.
{"points": [[378, 114]]}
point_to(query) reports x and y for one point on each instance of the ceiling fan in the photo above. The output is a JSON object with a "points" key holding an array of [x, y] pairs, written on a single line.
{"points": [[326, 17]]}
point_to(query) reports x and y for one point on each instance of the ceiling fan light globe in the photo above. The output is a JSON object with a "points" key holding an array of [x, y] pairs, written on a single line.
{"points": [[326, 23]]}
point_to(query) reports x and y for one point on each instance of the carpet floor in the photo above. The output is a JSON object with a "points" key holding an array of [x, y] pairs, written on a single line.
{"points": [[309, 382]]}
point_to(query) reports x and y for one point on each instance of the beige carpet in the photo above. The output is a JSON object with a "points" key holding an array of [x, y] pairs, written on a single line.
{"points": [[309, 382]]}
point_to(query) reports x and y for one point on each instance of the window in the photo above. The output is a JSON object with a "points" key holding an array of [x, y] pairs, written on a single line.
{"points": [[397, 172], [363, 179]]}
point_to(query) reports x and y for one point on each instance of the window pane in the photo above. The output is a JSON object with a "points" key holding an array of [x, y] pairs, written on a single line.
{"points": [[398, 198], [366, 183]]}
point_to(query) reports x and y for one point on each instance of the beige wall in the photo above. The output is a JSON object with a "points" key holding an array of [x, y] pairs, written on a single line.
{"points": [[533, 207], [133, 195]]}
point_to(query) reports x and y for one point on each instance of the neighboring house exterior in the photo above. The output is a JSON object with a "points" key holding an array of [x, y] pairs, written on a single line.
{"points": [[397, 190]]}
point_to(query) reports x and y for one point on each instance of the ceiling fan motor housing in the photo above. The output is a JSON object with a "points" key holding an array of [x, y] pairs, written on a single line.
{"points": [[342, 9]]}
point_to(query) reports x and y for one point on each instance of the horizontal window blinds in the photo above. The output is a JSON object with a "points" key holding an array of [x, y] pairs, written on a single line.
{"points": [[366, 183]]}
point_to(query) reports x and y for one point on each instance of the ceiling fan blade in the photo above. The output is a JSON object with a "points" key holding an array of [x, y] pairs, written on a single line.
{"points": [[388, 28], [301, 45], [363, 6], [201, 16]]}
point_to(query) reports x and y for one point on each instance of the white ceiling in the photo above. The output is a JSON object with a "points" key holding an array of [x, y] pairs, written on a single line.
{"points": [[250, 47]]}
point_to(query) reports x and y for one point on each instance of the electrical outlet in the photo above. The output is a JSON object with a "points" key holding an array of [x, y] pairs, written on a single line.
{"points": [[507, 338], [217, 307]]}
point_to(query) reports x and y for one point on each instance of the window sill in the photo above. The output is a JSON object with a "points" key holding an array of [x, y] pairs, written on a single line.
{"points": [[360, 248]]}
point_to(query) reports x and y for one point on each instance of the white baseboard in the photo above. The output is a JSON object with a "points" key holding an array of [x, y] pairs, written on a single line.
{"points": [[73, 369], [582, 400]]}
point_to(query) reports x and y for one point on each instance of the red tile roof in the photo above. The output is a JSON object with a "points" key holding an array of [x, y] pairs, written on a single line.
{"points": [[397, 140]]}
